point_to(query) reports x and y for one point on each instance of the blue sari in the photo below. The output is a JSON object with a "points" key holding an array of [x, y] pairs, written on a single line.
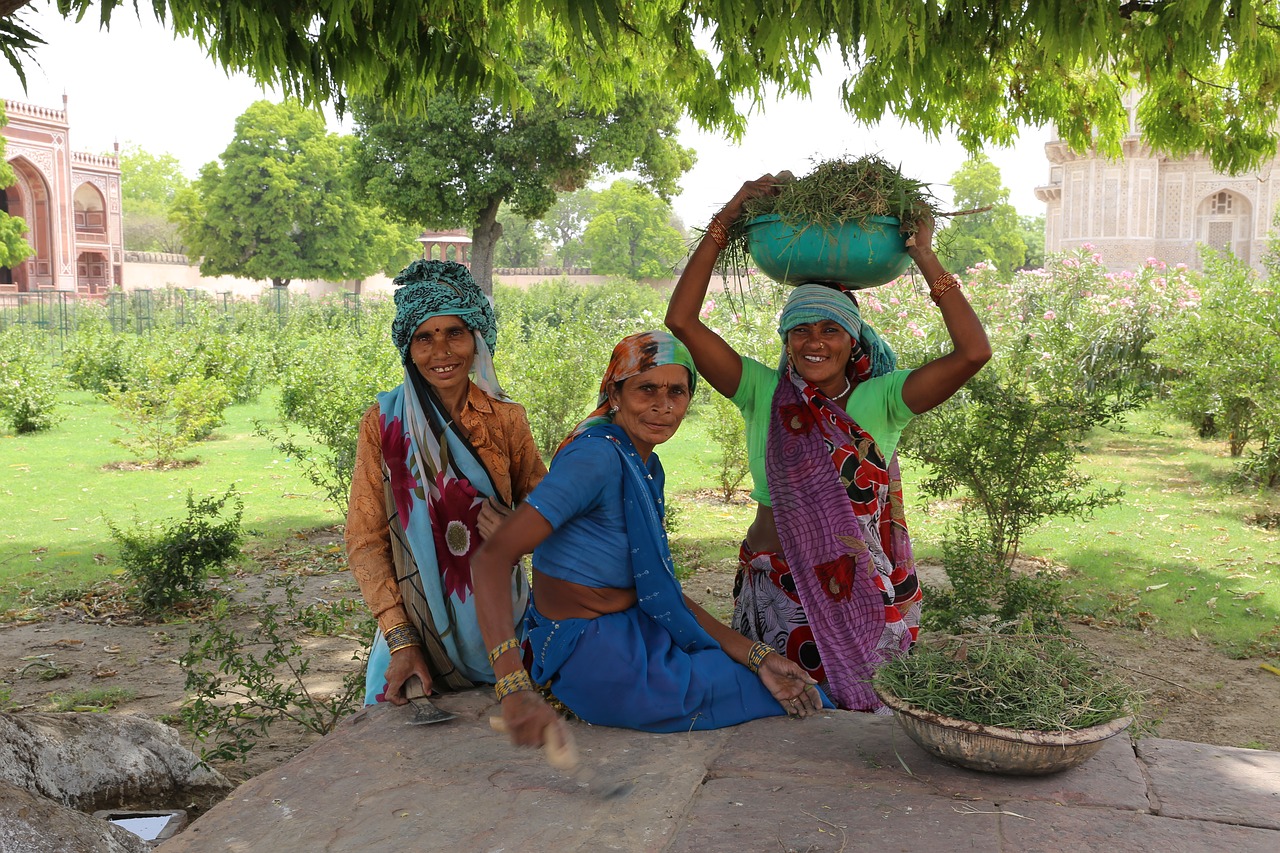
{"points": [[651, 667]]}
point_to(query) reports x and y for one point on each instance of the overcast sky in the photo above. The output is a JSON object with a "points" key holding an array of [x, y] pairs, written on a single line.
{"points": [[139, 84]]}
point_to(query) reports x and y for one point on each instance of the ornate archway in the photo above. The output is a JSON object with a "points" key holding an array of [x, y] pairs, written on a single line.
{"points": [[92, 278], [90, 210], [30, 199], [1224, 220]]}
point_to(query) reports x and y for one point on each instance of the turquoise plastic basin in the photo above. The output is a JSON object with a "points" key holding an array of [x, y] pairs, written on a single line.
{"points": [[857, 256]]}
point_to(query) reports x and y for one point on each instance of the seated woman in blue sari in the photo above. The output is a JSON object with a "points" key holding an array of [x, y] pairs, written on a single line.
{"points": [[609, 627]]}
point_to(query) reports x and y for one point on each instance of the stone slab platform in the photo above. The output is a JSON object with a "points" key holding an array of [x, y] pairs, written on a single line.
{"points": [[837, 782]]}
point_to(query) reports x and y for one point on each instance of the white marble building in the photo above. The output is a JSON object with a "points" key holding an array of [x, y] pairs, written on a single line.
{"points": [[1149, 205]]}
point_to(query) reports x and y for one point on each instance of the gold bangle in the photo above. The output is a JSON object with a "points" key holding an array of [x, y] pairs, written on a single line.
{"points": [[512, 683], [401, 637], [755, 657], [501, 649], [942, 284], [717, 232]]}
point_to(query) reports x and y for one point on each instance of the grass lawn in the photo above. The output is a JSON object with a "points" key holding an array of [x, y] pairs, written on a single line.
{"points": [[59, 490], [1181, 553]]}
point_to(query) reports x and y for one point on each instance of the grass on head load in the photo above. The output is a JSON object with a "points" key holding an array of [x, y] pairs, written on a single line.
{"points": [[840, 191], [1015, 681]]}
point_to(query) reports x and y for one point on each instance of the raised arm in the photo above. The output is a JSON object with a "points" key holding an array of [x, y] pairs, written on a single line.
{"points": [[933, 383], [718, 362]]}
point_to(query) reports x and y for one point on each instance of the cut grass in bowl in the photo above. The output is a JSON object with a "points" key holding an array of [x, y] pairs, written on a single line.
{"points": [[1011, 681]]}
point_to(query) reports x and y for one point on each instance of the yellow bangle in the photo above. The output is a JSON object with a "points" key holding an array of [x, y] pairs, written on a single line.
{"points": [[501, 649], [756, 656], [512, 683]]}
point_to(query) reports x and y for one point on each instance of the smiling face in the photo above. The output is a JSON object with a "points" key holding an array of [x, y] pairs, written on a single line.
{"points": [[820, 353], [651, 405], [442, 349]]}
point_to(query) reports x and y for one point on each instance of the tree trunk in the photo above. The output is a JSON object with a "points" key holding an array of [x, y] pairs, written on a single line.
{"points": [[483, 238], [8, 8]]}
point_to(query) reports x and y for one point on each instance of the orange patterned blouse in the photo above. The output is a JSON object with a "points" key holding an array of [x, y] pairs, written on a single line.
{"points": [[501, 436]]}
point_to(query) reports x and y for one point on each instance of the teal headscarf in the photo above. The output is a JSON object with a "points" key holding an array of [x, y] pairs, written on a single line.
{"points": [[810, 303], [427, 289]]}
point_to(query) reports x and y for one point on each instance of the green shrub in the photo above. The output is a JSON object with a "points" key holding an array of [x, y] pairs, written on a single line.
{"points": [[1224, 360], [985, 590], [98, 359], [29, 385], [729, 432], [1011, 453], [169, 561], [241, 684], [161, 414], [332, 378]]}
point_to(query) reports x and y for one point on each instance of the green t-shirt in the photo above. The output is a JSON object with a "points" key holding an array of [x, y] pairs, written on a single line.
{"points": [[876, 405]]}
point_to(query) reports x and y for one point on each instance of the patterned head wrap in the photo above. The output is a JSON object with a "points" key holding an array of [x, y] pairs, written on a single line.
{"points": [[427, 289], [633, 355], [810, 303]]}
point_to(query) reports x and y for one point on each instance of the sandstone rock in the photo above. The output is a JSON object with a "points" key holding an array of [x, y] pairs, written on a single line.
{"points": [[99, 761], [30, 823]]}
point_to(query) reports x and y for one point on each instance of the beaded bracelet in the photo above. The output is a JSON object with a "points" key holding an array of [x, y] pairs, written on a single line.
{"points": [[755, 657], [717, 232], [943, 283], [401, 637], [513, 682], [502, 648]]}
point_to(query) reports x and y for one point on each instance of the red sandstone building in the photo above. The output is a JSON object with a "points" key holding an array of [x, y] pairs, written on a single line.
{"points": [[70, 201]]}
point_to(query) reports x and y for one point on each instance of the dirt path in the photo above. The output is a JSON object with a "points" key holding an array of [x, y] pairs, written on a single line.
{"points": [[1195, 693]]}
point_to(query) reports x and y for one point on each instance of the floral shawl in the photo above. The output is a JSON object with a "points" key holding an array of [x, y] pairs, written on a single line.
{"points": [[436, 484], [838, 507]]}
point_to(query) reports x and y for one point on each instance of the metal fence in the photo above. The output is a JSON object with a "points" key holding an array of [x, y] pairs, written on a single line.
{"points": [[139, 311]]}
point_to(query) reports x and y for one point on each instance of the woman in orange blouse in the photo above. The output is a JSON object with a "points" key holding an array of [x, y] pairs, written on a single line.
{"points": [[441, 460]]}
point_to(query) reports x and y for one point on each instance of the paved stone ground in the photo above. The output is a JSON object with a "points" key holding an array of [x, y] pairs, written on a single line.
{"points": [[837, 782]]}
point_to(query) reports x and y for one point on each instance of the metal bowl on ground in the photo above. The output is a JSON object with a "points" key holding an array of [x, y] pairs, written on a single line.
{"points": [[991, 749], [858, 256]]}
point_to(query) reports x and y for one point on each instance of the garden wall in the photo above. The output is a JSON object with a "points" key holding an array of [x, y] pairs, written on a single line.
{"points": [[155, 271]]}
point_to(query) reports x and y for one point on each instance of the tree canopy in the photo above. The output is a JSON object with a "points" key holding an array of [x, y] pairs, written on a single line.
{"points": [[994, 234], [521, 244], [630, 233], [148, 185], [281, 205], [455, 163], [1209, 70]]}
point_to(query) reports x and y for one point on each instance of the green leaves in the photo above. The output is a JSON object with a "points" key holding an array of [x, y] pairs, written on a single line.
{"points": [[975, 69], [280, 204]]}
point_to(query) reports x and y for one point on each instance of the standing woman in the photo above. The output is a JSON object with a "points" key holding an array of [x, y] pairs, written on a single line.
{"points": [[826, 574], [610, 629], [440, 461]]}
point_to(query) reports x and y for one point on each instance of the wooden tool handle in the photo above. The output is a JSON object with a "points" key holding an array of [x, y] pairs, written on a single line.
{"points": [[561, 752], [413, 688]]}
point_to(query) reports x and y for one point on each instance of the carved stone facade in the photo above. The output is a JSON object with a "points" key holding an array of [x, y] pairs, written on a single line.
{"points": [[70, 201], [1149, 205]]}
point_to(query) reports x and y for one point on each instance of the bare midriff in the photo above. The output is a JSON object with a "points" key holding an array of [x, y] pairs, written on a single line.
{"points": [[562, 599], [762, 535]]}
